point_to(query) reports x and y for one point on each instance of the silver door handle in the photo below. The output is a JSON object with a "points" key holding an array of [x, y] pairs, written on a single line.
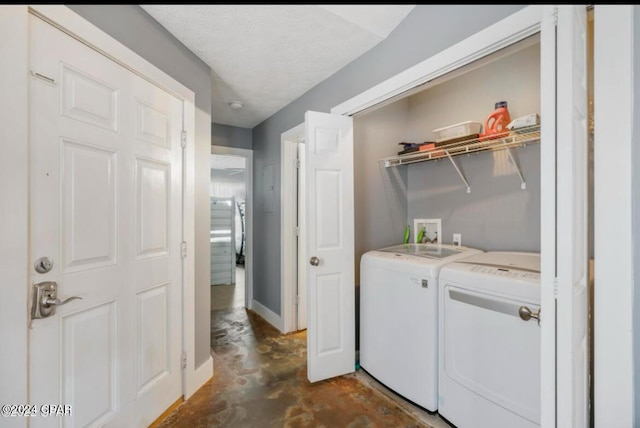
{"points": [[526, 314], [314, 261], [45, 299], [48, 301]]}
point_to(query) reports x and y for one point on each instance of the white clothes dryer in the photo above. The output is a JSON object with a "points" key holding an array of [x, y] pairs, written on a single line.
{"points": [[398, 317], [489, 341]]}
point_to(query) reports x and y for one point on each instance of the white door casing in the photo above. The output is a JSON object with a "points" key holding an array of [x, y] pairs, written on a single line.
{"points": [[247, 154], [615, 215], [564, 346], [301, 267], [14, 207], [106, 206], [571, 228], [548, 218], [292, 231], [330, 239]]}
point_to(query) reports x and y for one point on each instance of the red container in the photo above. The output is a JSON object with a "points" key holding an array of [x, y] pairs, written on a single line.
{"points": [[495, 126]]}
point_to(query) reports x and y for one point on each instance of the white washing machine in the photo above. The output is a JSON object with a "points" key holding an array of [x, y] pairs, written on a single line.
{"points": [[489, 345], [398, 317]]}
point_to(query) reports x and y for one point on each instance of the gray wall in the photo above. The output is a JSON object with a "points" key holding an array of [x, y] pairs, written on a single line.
{"points": [[231, 136], [497, 215], [635, 221], [137, 30], [424, 32], [380, 193]]}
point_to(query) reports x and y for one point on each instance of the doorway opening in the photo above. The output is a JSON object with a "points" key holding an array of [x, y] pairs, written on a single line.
{"points": [[230, 228], [294, 278]]}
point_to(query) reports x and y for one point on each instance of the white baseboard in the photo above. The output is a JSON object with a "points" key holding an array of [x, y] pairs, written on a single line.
{"points": [[266, 313], [200, 376]]}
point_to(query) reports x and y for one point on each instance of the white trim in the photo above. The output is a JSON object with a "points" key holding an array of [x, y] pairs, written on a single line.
{"points": [[202, 374], [190, 381], [248, 258], [548, 221], [613, 239], [511, 29], [14, 212], [76, 26], [572, 344], [302, 286], [266, 313], [288, 253]]}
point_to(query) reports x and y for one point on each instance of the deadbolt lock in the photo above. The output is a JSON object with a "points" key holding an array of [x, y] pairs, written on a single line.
{"points": [[43, 265]]}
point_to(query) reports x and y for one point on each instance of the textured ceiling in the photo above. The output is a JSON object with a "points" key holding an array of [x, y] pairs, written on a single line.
{"points": [[266, 56]]}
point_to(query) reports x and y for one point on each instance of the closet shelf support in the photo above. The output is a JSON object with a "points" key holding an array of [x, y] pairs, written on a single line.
{"points": [[523, 184], [459, 172]]}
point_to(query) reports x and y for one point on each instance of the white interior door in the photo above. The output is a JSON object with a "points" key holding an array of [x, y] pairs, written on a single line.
{"points": [[564, 322], [330, 245], [105, 207], [572, 258]]}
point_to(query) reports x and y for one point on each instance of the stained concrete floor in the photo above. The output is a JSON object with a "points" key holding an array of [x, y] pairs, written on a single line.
{"points": [[260, 380]]}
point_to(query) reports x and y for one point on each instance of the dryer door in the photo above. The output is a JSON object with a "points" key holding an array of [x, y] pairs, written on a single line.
{"points": [[491, 351]]}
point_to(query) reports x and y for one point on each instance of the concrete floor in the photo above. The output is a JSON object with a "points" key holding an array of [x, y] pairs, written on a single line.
{"points": [[260, 380]]}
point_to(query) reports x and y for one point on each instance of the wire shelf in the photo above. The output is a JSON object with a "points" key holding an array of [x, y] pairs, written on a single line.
{"points": [[519, 138]]}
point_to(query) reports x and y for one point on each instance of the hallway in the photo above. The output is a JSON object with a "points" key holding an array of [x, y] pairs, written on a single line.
{"points": [[260, 380], [229, 295]]}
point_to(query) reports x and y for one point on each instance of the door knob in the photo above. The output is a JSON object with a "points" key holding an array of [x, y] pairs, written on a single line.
{"points": [[45, 299], [526, 314], [314, 261]]}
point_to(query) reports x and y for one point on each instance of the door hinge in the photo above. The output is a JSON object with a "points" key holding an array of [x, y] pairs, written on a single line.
{"points": [[183, 139], [183, 250], [297, 230], [297, 163], [183, 360], [555, 288], [555, 16]]}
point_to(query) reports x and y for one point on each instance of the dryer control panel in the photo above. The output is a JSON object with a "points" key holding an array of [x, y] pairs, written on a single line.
{"points": [[504, 272]]}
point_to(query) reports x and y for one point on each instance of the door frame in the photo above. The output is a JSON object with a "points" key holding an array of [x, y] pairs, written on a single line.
{"points": [[288, 249], [14, 182], [524, 23], [14, 263], [248, 182], [616, 212]]}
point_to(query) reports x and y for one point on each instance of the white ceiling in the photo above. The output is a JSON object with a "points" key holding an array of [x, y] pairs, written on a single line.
{"points": [[266, 56]]}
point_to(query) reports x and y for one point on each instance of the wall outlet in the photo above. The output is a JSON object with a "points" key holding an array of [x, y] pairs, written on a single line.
{"points": [[457, 239]]}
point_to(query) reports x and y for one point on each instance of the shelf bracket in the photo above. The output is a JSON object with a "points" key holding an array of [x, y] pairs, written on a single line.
{"points": [[523, 184], [459, 172]]}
